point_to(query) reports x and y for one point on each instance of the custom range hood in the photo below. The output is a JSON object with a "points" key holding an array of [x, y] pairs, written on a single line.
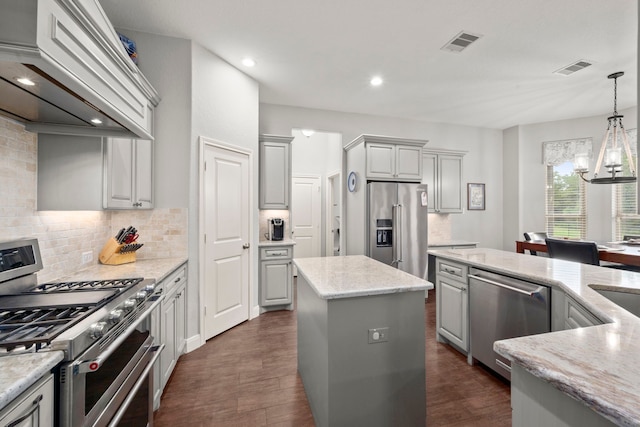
{"points": [[64, 70]]}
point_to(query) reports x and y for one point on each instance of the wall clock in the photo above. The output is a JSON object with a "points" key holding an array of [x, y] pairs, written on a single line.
{"points": [[352, 181]]}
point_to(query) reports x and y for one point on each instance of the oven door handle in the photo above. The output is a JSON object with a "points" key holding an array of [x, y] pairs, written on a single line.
{"points": [[93, 365], [134, 390]]}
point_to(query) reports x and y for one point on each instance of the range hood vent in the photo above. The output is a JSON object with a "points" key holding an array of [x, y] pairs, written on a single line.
{"points": [[80, 80], [460, 42]]}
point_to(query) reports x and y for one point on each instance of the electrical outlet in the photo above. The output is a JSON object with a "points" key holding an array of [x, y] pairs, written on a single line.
{"points": [[87, 257], [378, 335]]}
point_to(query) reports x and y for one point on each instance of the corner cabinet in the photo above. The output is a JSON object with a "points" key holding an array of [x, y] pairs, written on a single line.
{"points": [[442, 172], [276, 276], [452, 304], [128, 174], [275, 171], [168, 325]]}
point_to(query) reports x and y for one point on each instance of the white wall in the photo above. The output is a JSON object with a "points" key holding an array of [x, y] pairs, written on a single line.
{"points": [[483, 162], [531, 191], [224, 107]]}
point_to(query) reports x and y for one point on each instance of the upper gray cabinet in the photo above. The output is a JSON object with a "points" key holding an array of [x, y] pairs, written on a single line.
{"points": [[386, 158], [128, 174], [442, 172], [275, 171]]}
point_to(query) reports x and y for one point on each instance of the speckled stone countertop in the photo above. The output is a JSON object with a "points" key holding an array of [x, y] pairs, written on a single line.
{"points": [[283, 242], [598, 365], [355, 276], [436, 243], [18, 373], [158, 269]]}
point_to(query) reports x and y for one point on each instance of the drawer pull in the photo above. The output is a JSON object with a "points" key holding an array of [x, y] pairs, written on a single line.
{"points": [[35, 405], [276, 254]]}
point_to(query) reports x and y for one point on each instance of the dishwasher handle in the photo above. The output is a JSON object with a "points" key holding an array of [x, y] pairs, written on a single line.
{"points": [[505, 286]]}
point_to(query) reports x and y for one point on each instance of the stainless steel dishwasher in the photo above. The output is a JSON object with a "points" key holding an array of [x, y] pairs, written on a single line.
{"points": [[502, 307]]}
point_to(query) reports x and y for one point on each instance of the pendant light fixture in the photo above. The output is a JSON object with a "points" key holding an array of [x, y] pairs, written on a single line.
{"points": [[614, 142]]}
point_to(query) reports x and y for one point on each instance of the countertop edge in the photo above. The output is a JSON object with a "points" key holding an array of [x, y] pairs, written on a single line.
{"points": [[21, 371]]}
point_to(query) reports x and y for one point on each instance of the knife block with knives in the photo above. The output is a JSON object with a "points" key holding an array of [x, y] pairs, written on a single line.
{"points": [[120, 249]]}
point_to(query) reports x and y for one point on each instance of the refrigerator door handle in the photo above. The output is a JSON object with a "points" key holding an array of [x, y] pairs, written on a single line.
{"points": [[394, 235], [398, 232]]}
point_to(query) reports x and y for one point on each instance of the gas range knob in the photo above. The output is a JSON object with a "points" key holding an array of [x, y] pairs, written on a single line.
{"points": [[150, 288], [115, 316], [140, 296], [129, 305], [97, 330]]}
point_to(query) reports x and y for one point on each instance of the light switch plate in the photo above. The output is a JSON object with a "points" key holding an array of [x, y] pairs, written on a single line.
{"points": [[378, 335]]}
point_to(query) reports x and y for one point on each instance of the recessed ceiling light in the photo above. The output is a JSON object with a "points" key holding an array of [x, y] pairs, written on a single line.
{"points": [[307, 132], [25, 81], [96, 121], [376, 81], [248, 62]]}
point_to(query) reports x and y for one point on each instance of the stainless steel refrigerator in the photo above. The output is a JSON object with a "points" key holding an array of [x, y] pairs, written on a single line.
{"points": [[397, 227]]}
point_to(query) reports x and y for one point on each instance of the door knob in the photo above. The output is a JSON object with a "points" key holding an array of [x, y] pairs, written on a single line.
{"points": [[245, 246]]}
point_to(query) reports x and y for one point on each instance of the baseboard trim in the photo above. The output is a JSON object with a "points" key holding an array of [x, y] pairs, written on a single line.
{"points": [[192, 343], [255, 312]]}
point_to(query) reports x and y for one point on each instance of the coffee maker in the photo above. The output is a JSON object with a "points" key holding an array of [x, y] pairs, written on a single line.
{"points": [[276, 228]]}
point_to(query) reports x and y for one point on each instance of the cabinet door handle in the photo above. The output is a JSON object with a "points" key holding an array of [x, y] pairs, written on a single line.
{"points": [[35, 405], [177, 280]]}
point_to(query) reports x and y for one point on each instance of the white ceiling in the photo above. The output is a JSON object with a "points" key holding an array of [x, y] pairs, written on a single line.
{"points": [[322, 53]]}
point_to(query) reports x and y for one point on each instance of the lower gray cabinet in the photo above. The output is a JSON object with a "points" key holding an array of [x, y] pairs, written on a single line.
{"points": [[452, 304], [168, 325], [276, 276], [33, 407]]}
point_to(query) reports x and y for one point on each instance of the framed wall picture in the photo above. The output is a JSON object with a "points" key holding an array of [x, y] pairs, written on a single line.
{"points": [[475, 197]]}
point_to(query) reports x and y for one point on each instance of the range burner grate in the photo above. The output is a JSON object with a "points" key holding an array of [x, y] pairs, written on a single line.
{"points": [[36, 327], [86, 285]]}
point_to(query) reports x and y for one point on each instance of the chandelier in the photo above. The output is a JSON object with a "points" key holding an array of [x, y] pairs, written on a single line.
{"points": [[614, 141]]}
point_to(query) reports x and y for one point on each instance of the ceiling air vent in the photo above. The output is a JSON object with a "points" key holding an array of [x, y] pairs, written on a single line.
{"points": [[576, 66], [460, 42]]}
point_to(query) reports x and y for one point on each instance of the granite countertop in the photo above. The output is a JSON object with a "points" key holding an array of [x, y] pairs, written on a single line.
{"points": [[437, 243], [157, 268], [19, 372], [283, 242], [354, 276], [596, 365]]}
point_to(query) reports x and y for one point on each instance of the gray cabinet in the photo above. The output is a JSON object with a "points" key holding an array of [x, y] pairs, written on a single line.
{"points": [[276, 276], [275, 171], [128, 174], [442, 172], [394, 161], [168, 325], [33, 407], [567, 313], [452, 303]]}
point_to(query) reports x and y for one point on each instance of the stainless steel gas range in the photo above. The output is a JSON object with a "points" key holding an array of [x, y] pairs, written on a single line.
{"points": [[103, 328]]}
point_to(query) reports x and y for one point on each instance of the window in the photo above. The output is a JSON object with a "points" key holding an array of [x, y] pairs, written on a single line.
{"points": [[625, 206], [566, 206]]}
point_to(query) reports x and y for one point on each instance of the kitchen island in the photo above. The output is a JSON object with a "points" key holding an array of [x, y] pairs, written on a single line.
{"points": [[584, 376], [361, 341]]}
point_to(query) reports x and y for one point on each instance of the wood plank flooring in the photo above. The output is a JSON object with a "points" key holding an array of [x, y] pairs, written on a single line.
{"points": [[247, 376]]}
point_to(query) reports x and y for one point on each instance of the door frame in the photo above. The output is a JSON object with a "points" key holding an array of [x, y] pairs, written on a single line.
{"points": [[328, 235], [203, 142]]}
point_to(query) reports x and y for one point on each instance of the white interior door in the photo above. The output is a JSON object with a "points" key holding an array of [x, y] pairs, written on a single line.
{"points": [[305, 216], [226, 227]]}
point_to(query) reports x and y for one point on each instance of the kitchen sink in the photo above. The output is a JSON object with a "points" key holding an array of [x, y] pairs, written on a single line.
{"points": [[629, 299]]}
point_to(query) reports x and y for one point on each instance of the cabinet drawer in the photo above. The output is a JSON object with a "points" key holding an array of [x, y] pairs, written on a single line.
{"points": [[281, 252], [452, 269], [577, 316], [175, 279]]}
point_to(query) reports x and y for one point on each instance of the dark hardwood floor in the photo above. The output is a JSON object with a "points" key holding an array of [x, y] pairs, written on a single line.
{"points": [[247, 376]]}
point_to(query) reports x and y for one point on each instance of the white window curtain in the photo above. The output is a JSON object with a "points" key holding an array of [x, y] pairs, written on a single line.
{"points": [[555, 153]]}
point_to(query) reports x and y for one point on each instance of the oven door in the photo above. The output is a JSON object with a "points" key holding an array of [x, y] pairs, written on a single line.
{"points": [[109, 384]]}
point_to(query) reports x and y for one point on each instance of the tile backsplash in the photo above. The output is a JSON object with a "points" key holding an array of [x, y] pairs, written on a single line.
{"points": [[64, 235]]}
